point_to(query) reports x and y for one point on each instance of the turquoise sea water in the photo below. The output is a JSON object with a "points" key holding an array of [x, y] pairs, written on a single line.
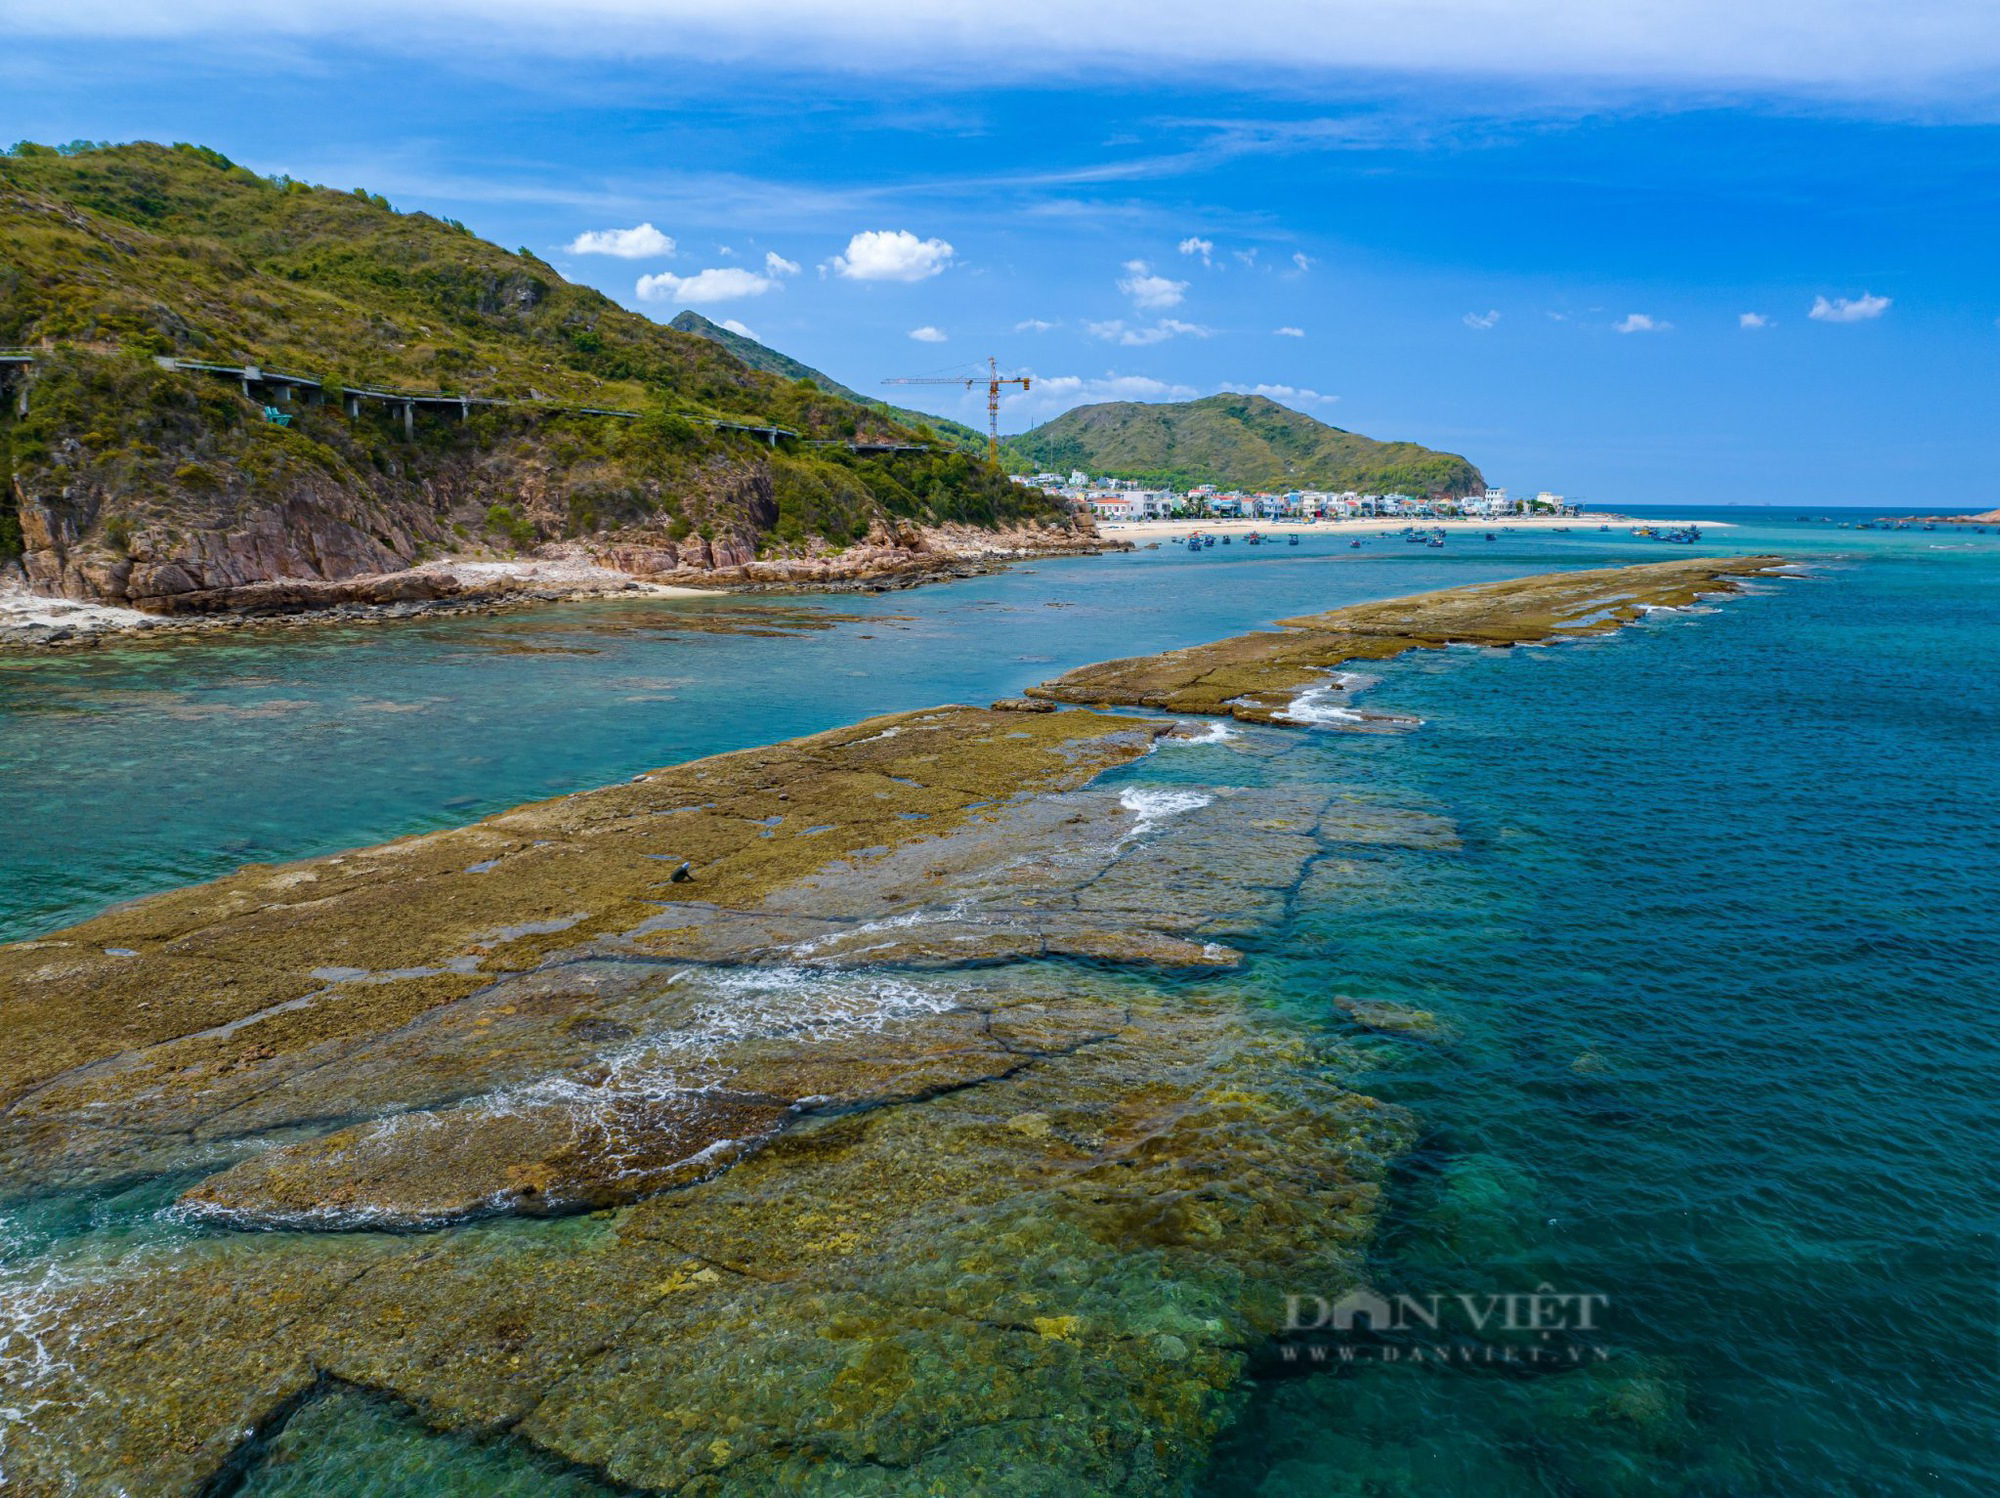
{"points": [[1713, 969]]}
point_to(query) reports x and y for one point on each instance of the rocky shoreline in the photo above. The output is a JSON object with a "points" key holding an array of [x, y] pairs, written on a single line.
{"points": [[564, 573], [876, 1112], [1263, 677]]}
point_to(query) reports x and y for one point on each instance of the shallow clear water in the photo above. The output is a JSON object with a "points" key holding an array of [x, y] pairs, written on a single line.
{"points": [[132, 768], [1714, 964]]}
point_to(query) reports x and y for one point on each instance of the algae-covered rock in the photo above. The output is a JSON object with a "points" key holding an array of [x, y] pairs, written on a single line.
{"points": [[873, 1113], [1261, 677], [882, 1299], [1387, 1018]]}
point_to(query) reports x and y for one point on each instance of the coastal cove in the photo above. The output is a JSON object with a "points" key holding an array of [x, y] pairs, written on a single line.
{"points": [[1362, 982], [150, 763]]}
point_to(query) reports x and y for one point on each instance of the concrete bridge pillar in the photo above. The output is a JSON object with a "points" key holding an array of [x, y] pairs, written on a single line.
{"points": [[409, 419]]}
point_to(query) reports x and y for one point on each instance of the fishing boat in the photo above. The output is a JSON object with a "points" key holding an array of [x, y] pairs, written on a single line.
{"points": [[1255, 538], [1491, 537], [1209, 541], [1435, 541], [1354, 545], [1292, 539]]}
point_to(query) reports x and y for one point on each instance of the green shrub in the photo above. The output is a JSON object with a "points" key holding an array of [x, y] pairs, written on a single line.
{"points": [[519, 533]]}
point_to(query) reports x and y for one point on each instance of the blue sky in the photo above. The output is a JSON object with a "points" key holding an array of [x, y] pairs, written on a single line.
{"points": [[1518, 229]]}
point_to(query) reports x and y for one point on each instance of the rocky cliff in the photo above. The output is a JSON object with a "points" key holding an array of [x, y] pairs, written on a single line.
{"points": [[173, 490]]}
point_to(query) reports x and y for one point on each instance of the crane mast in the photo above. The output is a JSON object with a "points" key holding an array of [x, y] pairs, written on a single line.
{"points": [[994, 380]]}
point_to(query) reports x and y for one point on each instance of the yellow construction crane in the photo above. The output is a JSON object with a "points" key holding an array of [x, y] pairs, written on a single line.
{"points": [[994, 380]]}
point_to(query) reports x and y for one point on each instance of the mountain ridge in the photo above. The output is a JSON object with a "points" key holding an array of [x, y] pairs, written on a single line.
{"points": [[1236, 441], [762, 356]]}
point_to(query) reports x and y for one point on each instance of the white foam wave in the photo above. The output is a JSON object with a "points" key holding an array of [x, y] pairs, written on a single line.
{"points": [[38, 1330], [1152, 805], [922, 916], [1216, 731], [800, 1003], [1314, 705]]}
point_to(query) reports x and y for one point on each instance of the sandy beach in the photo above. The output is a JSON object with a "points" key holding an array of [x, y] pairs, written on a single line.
{"points": [[31, 619], [1140, 531]]}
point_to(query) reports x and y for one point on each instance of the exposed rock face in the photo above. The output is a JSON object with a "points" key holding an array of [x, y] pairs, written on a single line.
{"points": [[307, 538], [898, 554], [307, 557]]}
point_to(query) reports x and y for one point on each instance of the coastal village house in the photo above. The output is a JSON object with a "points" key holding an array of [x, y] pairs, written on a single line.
{"points": [[1126, 500]]}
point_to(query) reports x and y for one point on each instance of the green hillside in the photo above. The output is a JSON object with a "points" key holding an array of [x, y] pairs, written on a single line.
{"points": [[110, 256], [1238, 442], [758, 356]]}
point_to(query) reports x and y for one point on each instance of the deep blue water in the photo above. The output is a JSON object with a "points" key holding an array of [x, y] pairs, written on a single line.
{"points": [[1721, 954], [1717, 958]]}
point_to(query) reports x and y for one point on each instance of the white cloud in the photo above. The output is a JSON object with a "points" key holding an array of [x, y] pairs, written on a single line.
{"points": [[1843, 309], [1202, 247], [777, 265], [1639, 322], [1054, 394], [1484, 320], [736, 327], [1150, 292], [1752, 320], [1303, 261], [1939, 52], [1282, 393], [640, 242], [929, 334], [725, 284], [1288, 332], [1116, 331], [1034, 325], [892, 255], [1248, 257]]}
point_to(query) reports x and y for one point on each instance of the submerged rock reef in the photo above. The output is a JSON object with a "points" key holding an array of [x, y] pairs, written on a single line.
{"points": [[874, 1113], [1261, 677]]}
